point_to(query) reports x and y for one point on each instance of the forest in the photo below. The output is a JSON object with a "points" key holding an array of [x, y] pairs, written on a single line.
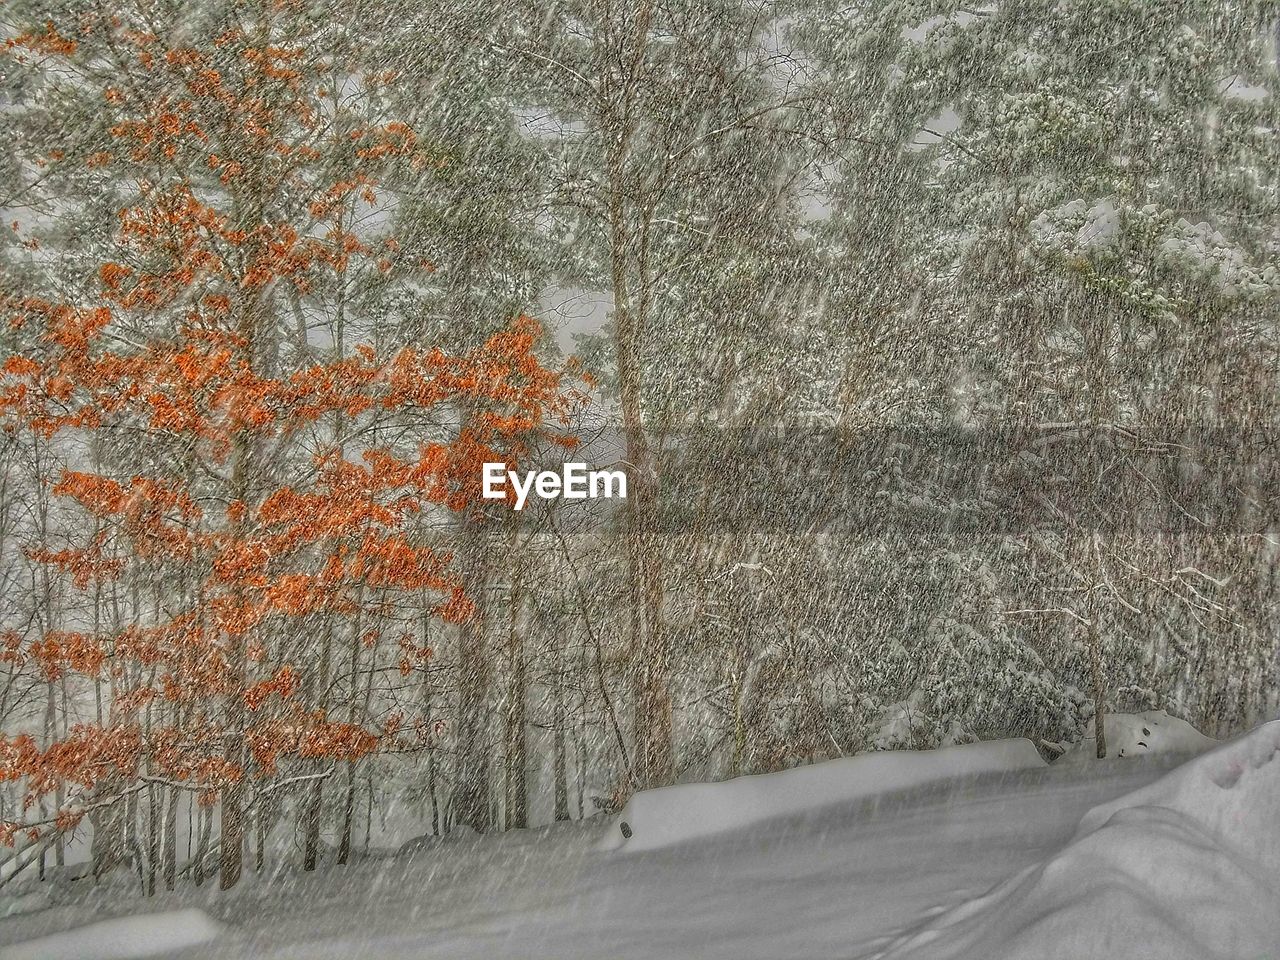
{"points": [[937, 342]]}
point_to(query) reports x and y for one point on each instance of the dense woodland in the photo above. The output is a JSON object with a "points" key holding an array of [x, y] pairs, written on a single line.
{"points": [[938, 342]]}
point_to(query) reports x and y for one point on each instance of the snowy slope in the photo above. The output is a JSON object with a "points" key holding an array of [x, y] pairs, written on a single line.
{"points": [[1185, 869], [854, 879], [658, 818], [143, 935]]}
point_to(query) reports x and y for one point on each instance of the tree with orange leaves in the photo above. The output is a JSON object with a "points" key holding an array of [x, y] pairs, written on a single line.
{"points": [[275, 485]]}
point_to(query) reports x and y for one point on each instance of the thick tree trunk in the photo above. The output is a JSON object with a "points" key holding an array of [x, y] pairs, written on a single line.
{"points": [[231, 835], [205, 820], [472, 804], [311, 827], [348, 812], [107, 848]]}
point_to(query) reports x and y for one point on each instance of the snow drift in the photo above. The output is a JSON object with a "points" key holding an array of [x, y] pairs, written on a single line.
{"points": [[1137, 734], [671, 815], [123, 938], [1187, 868]]}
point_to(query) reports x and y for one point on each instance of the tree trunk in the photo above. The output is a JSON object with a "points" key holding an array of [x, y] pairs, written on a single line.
{"points": [[471, 805], [170, 853], [517, 754], [260, 829], [428, 702], [203, 844], [559, 764], [311, 827], [1099, 686], [231, 836], [655, 762], [357, 711], [629, 256], [315, 803], [348, 812], [257, 337], [153, 837], [106, 851], [315, 807]]}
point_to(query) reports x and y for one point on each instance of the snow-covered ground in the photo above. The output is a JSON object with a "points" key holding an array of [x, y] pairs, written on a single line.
{"points": [[1138, 734], [1177, 859], [121, 938], [691, 811], [1187, 868]]}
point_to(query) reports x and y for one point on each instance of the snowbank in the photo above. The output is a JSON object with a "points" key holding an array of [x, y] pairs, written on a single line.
{"points": [[670, 815], [1136, 734], [123, 938], [1187, 868], [30, 902]]}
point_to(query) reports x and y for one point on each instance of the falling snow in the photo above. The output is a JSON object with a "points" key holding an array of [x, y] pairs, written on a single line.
{"points": [[936, 342]]}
